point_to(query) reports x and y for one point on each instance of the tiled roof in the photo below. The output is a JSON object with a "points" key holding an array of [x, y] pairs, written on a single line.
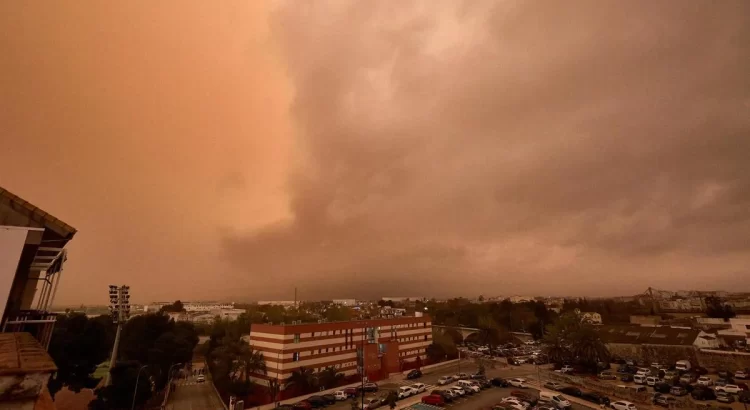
{"points": [[661, 335], [21, 353]]}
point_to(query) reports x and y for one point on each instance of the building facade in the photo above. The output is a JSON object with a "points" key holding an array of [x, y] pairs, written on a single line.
{"points": [[375, 347]]}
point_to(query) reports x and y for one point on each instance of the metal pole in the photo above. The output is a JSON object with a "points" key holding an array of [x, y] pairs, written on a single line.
{"points": [[135, 390], [364, 331], [116, 346]]}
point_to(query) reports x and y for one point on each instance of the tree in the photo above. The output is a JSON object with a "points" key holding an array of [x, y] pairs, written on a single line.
{"points": [[119, 394], [231, 363], [435, 352], [304, 380], [273, 389], [77, 346], [175, 307], [569, 340], [716, 308], [329, 377]]}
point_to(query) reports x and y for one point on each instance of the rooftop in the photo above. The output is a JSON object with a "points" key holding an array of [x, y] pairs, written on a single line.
{"points": [[660, 335], [21, 353]]}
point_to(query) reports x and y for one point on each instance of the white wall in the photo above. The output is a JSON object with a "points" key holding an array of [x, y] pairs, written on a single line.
{"points": [[11, 245]]}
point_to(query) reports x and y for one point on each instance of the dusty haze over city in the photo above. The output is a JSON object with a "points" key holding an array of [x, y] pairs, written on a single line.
{"points": [[237, 149]]}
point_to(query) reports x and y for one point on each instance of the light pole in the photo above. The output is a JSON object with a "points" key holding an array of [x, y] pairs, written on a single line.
{"points": [[169, 373], [137, 379], [119, 308]]}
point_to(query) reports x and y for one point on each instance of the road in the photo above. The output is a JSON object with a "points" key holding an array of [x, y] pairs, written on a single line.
{"points": [[191, 395]]}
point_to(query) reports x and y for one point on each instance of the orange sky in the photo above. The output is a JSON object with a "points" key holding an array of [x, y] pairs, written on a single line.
{"points": [[352, 149]]}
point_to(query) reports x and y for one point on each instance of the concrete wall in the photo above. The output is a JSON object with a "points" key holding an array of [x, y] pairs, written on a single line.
{"points": [[653, 353], [12, 240], [719, 359]]}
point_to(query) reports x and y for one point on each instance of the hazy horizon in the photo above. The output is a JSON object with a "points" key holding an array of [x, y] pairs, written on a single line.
{"points": [[212, 150]]}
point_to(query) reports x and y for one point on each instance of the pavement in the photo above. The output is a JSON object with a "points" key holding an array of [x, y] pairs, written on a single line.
{"points": [[191, 395]]}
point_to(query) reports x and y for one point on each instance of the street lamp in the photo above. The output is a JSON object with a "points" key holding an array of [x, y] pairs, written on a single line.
{"points": [[137, 379], [119, 308]]}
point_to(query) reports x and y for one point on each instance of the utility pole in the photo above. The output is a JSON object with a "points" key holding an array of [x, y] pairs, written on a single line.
{"points": [[119, 308], [364, 332]]}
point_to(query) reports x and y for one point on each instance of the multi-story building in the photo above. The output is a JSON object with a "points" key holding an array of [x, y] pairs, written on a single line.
{"points": [[32, 255], [382, 345], [344, 302], [192, 306]]}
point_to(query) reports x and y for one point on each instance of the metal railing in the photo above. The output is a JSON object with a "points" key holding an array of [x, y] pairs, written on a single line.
{"points": [[39, 324]]}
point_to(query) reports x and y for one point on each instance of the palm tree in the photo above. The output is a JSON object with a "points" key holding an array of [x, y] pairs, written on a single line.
{"points": [[251, 361], [589, 348], [303, 379], [329, 377]]}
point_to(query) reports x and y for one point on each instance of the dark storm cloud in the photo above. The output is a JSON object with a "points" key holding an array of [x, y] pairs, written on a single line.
{"points": [[499, 147]]}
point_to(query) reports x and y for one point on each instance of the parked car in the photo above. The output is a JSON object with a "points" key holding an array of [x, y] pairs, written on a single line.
{"points": [[419, 387], [688, 378], [607, 376], [406, 391], [369, 387], [678, 391], [721, 381], [499, 382], [525, 397], [414, 374], [729, 388], [595, 397], [626, 377], [639, 379], [742, 374], [724, 397], [643, 372], [458, 390], [623, 405], [460, 376], [434, 400], [723, 373], [340, 395], [553, 385], [662, 387], [705, 381], [317, 401], [518, 382], [651, 381], [372, 403], [445, 394], [200, 379], [445, 380], [664, 401], [703, 393], [476, 376], [304, 404], [572, 391], [566, 369], [329, 398]]}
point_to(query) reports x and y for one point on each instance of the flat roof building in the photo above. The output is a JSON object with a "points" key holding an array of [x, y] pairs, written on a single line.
{"points": [[384, 344]]}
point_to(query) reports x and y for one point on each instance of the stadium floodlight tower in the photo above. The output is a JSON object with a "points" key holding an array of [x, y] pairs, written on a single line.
{"points": [[119, 309]]}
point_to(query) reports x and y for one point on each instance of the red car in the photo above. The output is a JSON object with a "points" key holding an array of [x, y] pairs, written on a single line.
{"points": [[351, 391], [433, 399], [303, 405]]}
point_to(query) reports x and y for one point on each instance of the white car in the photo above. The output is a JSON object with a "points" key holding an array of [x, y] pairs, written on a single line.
{"points": [[340, 395], [460, 376], [553, 385], [566, 369], [200, 379], [458, 390], [741, 374], [515, 402], [729, 388], [518, 382], [419, 387], [406, 391], [445, 380], [643, 372], [651, 380], [623, 405], [705, 381], [371, 403]]}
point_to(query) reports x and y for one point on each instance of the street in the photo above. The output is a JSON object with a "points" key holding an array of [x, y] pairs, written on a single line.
{"points": [[191, 395]]}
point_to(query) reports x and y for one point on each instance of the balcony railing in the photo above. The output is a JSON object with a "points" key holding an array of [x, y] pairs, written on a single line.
{"points": [[39, 324]]}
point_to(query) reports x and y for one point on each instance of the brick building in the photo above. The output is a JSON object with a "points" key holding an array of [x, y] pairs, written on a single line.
{"points": [[386, 345]]}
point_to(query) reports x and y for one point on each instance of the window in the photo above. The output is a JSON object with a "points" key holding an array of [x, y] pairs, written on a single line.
{"points": [[296, 338], [425, 337], [295, 356], [312, 334], [425, 324]]}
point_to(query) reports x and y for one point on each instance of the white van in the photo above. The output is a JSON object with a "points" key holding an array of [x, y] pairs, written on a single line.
{"points": [[555, 399], [639, 379], [682, 365], [467, 385]]}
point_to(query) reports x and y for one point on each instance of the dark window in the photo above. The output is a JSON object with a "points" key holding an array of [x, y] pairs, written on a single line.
{"points": [[425, 337], [296, 338], [312, 334], [295, 356]]}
